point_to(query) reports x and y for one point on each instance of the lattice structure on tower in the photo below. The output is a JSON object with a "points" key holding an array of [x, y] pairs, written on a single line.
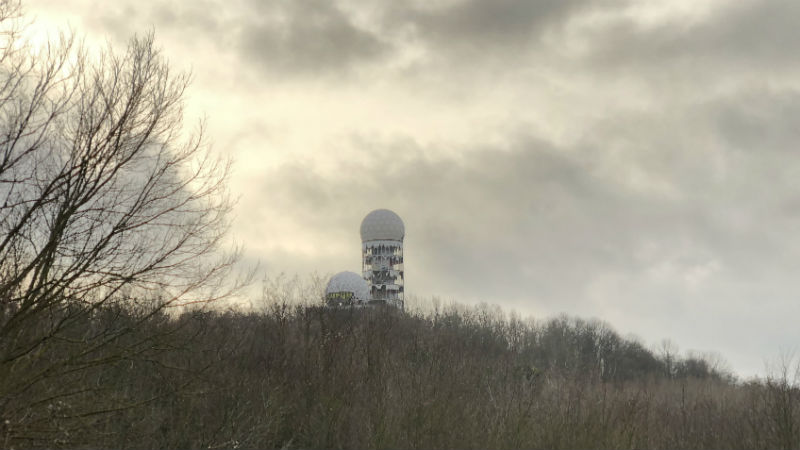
{"points": [[382, 233]]}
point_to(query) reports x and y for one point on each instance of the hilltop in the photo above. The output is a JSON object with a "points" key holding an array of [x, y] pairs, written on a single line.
{"points": [[313, 377]]}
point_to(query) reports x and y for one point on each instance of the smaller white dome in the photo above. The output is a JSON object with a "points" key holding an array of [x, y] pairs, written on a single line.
{"points": [[382, 224], [348, 283]]}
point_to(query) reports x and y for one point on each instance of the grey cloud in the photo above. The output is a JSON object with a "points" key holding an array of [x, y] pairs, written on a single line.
{"points": [[545, 222], [194, 22], [307, 36], [758, 119], [321, 37], [199, 17], [684, 206], [478, 23], [743, 36], [312, 37], [727, 161], [526, 221], [318, 37]]}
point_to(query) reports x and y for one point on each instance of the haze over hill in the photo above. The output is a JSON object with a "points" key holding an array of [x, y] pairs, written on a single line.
{"points": [[627, 160]]}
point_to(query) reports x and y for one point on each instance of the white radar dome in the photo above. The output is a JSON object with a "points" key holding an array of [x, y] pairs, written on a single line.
{"points": [[348, 283], [382, 225]]}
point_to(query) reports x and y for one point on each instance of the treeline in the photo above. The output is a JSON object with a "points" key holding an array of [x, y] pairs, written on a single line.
{"points": [[309, 377]]}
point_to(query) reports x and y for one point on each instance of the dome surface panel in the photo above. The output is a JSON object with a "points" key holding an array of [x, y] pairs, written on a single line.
{"points": [[382, 224], [348, 282]]}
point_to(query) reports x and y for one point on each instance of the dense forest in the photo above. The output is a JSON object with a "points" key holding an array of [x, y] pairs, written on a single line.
{"points": [[294, 376]]}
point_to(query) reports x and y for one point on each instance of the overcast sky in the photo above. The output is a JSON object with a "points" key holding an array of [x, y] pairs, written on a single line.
{"points": [[632, 161]]}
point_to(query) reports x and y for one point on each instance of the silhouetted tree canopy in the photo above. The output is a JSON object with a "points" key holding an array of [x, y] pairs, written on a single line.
{"points": [[106, 200]]}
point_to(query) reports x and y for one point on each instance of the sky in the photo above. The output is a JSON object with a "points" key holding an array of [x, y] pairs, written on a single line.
{"points": [[633, 161]]}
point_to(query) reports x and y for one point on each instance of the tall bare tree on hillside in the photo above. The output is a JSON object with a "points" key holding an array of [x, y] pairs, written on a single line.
{"points": [[105, 199]]}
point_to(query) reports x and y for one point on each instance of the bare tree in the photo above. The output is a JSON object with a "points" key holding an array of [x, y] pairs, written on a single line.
{"points": [[105, 199], [667, 350]]}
